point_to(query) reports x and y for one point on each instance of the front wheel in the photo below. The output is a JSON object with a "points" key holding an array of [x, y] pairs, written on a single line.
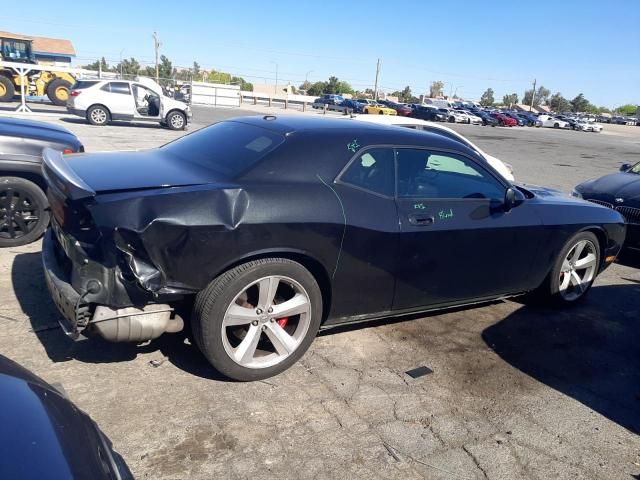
{"points": [[257, 319], [58, 91], [176, 121], [573, 272], [23, 212]]}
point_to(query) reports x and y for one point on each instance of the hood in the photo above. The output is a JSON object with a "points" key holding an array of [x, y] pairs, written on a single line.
{"points": [[50, 437], [14, 127], [117, 171], [171, 103], [622, 185], [551, 194]]}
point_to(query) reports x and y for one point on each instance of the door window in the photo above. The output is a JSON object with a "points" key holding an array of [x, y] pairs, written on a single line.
{"points": [[372, 171], [426, 174], [120, 87]]}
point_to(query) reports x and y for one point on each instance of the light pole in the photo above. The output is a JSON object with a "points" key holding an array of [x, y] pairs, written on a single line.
{"points": [[276, 64], [121, 51], [306, 76], [456, 90]]}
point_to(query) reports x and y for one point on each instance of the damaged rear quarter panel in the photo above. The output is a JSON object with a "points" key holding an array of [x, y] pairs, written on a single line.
{"points": [[192, 234]]}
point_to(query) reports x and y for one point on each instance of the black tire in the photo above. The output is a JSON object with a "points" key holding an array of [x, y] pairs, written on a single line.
{"points": [[98, 115], [212, 303], [381, 112], [556, 125], [7, 88], [549, 292], [21, 198], [176, 120], [53, 91]]}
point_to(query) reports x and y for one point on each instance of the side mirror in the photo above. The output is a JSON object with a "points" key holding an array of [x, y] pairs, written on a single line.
{"points": [[624, 167], [512, 198]]}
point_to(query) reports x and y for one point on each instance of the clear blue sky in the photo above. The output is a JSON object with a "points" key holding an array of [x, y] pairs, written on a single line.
{"points": [[570, 46]]}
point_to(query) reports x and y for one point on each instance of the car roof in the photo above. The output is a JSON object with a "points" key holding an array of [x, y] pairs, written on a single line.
{"points": [[383, 134]]}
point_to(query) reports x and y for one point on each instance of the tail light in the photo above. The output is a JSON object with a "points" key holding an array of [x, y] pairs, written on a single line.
{"points": [[67, 151], [75, 93]]}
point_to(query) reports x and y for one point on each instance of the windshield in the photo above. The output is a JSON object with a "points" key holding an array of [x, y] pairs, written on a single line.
{"points": [[227, 148], [635, 169]]}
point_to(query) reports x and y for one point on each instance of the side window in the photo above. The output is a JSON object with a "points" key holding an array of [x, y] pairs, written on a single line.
{"points": [[120, 87], [105, 87], [373, 171], [426, 174]]}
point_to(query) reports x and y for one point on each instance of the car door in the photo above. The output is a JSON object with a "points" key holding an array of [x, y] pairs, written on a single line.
{"points": [[457, 242], [120, 101]]}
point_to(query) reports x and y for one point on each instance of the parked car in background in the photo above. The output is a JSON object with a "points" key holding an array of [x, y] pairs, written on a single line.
{"points": [[472, 118], [487, 119], [426, 112], [454, 116], [331, 99], [503, 168], [24, 210], [621, 192], [352, 106], [103, 101], [504, 120], [44, 435], [529, 118], [379, 109], [207, 221], [401, 109], [521, 121], [551, 122], [585, 126]]}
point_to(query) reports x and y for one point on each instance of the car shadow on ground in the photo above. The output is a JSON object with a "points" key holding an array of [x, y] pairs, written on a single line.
{"points": [[589, 352], [629, 258], [32, 294], [116, 123]]}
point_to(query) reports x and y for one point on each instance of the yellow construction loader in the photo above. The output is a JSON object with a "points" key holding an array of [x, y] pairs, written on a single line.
{"points": [[55, 85]]}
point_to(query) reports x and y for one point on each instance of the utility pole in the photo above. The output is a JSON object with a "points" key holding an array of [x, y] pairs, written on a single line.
{"points": [[156, 44], [375, 89], [533, 95]]}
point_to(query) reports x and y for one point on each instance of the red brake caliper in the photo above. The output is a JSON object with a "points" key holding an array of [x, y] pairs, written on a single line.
{"points": [[282, 321]]}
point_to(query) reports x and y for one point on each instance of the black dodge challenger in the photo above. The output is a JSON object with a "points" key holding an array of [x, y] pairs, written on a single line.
{"points": [[619, 191], [271, 228]]}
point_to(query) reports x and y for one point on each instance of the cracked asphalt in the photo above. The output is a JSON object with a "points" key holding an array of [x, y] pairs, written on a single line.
{"points": [[516, 392]]}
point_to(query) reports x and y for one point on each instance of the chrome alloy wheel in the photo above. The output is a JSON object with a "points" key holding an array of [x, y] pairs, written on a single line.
{"points": [[266, 322], [177, 121], [98, 115], [578, 270]]}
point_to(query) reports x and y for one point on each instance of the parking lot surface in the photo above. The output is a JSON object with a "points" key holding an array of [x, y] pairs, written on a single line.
{"points": [[516, 392]]}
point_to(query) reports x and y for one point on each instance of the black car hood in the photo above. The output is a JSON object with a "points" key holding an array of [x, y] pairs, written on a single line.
{"points": [[622, 185], [44, 434], [119, 171], [19, 128], [546, 193]]}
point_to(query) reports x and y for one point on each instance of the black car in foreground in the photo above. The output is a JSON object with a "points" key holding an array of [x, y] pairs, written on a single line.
{"points": [[44, 435], [275, 227], [24, 214], [621, 192]]}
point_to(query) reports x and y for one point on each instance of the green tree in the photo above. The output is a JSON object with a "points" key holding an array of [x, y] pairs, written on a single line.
{"points": [[405, 95], [165, 70], [541, 97], [487, 99], [510, 99], [306, 85], [129, 67], [98, 65], [579, 104], [558, 103], [196, 69], [627, 109], [436, 89], [317, 88]]}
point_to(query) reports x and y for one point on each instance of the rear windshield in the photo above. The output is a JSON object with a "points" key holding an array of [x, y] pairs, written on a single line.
{"points": [[227, 148], [81, 84]]}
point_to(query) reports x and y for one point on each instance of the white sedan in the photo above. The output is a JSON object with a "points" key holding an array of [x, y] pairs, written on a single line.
{"points": [[588, 126], [551, 122], [503, 168]]}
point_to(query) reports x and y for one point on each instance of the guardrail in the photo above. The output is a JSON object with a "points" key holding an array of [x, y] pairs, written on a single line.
{"points": [[288, 101]]}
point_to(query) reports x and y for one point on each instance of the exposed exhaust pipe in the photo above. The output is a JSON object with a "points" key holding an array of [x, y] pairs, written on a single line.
{"points": [[135, 324]]}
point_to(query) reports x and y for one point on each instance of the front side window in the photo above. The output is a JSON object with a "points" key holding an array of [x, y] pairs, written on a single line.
{"points": [[372, 171], [635, 169], [426, 174]]}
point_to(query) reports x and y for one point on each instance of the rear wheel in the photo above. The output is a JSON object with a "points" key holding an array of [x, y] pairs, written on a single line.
{"points": [[381, 112], [98, 115], [23, 212], [7, 90], [556, 125], [257, 319], [58, 91]]}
